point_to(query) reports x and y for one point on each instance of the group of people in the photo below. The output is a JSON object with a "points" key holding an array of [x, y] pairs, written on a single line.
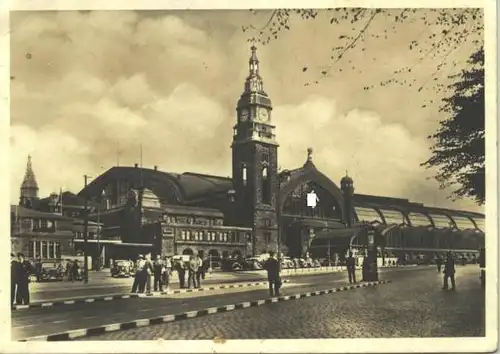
{"points": [[195, 268], [20, 271], [146, 270]]}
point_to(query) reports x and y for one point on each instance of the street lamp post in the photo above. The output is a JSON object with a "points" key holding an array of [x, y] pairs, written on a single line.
{"points": [[98, 263], [85, 236]]}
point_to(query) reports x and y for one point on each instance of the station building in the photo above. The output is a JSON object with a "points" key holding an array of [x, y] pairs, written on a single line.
{"points": [[259, 208]]}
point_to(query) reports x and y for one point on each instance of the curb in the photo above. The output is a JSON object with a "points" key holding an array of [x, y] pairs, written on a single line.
{"points": [[88, 332], [132, 296]]}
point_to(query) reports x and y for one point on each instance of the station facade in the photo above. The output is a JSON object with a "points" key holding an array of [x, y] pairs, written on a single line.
{"points": [[259, 208]]}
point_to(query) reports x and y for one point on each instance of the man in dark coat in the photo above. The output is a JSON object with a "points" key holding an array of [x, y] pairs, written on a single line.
{"points": [[24, 270], [351, 268], [158, 271], [14, 267], [273, 274], [180, 267], [449, 272]]}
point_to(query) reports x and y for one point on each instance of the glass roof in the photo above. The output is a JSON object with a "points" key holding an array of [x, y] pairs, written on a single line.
{"points": [[441, 221], [419, 219], [463, 223], [367, 214], [392, 216]]}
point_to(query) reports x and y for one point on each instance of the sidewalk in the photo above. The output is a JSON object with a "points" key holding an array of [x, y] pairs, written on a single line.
{"points": [[122, 296]]}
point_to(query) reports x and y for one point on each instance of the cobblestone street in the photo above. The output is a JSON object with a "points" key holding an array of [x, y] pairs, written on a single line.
{"points": [[411, 307]]}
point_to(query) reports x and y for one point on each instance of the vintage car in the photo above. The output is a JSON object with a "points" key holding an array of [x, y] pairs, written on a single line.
{"points": [[121, 269], [252, 263], [52, 273], [286, 263]]}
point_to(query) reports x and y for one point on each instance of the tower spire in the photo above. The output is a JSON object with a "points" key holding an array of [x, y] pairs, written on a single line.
{"points": [[29, 186], [254, 62], [254, 82]]}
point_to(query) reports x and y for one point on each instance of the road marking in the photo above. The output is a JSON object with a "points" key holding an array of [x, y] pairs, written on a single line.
{"points": [[31, 325], [59, 321], [89, 317], [144, 310]]}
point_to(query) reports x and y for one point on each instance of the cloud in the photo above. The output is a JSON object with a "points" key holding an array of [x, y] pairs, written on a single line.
{"points": [[376, 155], [98, 82]]}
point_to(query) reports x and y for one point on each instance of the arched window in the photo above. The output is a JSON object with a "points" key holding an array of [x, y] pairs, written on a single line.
{"points": [[244, 174], [266, 186]]}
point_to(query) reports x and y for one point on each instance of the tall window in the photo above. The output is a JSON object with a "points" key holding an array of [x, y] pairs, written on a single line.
{"points": [[44, 250], [267, 237], [266, 186], [244, 174]]}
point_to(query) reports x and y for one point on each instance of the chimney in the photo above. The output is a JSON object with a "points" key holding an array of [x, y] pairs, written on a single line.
{"points": [[156, 168], [136, 165]]}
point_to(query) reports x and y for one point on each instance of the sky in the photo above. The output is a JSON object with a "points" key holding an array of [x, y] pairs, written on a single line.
{"points": [[89, 87]]}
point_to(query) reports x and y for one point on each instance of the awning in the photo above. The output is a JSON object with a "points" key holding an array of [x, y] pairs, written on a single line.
{"points": [[337, 237]]}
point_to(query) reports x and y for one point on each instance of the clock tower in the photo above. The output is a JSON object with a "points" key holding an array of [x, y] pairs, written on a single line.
{"points": [[255, 162]]}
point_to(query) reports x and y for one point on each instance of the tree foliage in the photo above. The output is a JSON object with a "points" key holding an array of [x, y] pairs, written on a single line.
{"points": [[459, 148], [443, 31]]}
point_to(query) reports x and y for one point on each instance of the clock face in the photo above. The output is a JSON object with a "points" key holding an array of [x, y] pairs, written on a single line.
{"points": [[263, 114], [244, 114]]}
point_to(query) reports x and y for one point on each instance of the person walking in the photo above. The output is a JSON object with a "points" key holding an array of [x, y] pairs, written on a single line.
{"points": [[24, 270], [180, 267], [167, 272], [158, 273], [193, 267], [14, 268], [272, 267], [139, 265], [439, 263], [449, 272], [201, 270], [351, 268], [148, 271], [38, 269]]}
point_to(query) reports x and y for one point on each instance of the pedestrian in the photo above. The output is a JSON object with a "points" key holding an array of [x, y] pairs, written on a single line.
{"points": [[439, 263], [158, 267], [167, 272], [14, 268], [201, 270], [139, 265], [351, 268], [272, 267], [181, 272], [24, 270], [148, 271], [75, 271], [192, 270], [38, 269], [449, 272]]}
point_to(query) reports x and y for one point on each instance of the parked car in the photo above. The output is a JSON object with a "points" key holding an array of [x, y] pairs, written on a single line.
{"points": [[230, 264], [121, 269], [252, 263], [287, 263], [51, 272]]}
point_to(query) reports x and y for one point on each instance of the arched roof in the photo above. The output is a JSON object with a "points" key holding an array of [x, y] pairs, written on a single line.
{"points": [[291, 179], [186, 186]]}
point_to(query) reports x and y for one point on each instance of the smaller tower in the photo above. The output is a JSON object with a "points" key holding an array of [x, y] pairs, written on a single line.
{"points": [[29, 187], [347, 187]]}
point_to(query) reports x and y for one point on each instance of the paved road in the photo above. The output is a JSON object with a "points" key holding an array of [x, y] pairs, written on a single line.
{"points": [[35, 322], [409, 307], [101, 284]]}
